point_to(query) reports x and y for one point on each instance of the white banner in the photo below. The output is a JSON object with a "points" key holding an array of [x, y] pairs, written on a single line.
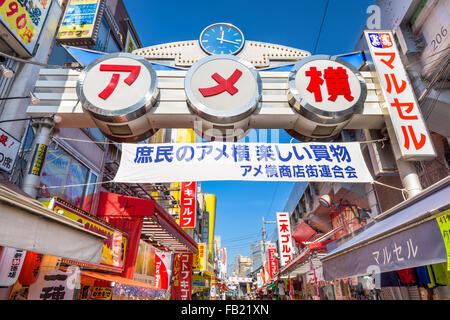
{"points": [[159, 163], [284, 238]]}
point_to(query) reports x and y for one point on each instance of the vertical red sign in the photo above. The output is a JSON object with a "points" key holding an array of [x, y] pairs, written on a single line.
{"points": [[188, 202], [273, 263], [182, 284]]}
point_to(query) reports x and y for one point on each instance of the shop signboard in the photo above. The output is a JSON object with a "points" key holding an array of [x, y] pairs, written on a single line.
{"points": [[24, 20], [163, 269], [273, 263], [284, 237], [114, 247], [101, 293], [52, 286], [11, 262], [414, 141], [205, 226], [212, 291], [313, 162], [199, 263], [9, 147], [182, 277], [80, 20], [188, 204]]}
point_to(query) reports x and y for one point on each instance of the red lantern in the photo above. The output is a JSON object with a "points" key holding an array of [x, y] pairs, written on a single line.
{"points": [[30, 268]]}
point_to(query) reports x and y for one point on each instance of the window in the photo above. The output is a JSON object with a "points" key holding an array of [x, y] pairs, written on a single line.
{"points": [[61, 170]]}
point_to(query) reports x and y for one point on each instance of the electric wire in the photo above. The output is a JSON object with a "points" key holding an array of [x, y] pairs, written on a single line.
{"points": [[321, 26]]}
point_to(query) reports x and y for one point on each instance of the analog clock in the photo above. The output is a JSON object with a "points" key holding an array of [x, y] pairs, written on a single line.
{"points": [[221, 38]]}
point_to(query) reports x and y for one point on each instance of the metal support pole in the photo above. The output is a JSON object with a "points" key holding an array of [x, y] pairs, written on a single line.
{"points": [[32, 179]]}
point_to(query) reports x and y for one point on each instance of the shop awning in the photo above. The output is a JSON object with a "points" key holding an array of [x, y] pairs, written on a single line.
{"points": [[158, 226], [405, 236], [27, 224], [303, 232], [302, 263]]}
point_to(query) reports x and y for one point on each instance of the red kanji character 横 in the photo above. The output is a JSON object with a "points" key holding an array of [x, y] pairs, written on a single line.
{"points": [[337, 83]]}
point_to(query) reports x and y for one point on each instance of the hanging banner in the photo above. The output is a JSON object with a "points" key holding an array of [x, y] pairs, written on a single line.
{"points": [[212, 292], [284, 237], [314, 162], [182, 275], [11, 262], [163, 269], [414, 140], [188, 204], [273, 263]]}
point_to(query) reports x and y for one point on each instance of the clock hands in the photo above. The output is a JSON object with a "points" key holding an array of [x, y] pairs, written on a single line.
{"points": [[223, 40]]}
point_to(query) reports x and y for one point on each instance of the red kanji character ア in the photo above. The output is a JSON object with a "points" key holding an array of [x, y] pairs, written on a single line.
{"points": [[315, 83], [398, 89], [409, 107], [134, 73], [337, 83], [417, 144], [391, 56]]}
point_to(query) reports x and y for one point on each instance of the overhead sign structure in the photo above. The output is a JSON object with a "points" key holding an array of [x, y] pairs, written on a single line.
{"points": [[159, 163], [117, 90], [410, 129], [24, 20], [284, 238]]}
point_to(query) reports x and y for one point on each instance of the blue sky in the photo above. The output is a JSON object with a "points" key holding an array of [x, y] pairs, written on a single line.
{"points": [[296, 23]]}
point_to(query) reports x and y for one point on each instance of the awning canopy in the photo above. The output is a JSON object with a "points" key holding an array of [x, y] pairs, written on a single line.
{"points": [[27, 224], [405, 236], [303, 232], [302, 263], [158, 226]]}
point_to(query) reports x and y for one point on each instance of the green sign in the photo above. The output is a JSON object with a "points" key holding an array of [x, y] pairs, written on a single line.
{"points": [[444, 224]]}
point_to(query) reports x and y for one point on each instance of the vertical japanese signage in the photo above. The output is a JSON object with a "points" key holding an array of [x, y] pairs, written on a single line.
{"points": [[163, 269], [182, 275], [414, 140], [199, 263], [25, 20], [9, 147], [188, 203], [284, 237], [212, 292], [273, 263], [38, 159], [444, 225], [10, 265], [79, 19]]}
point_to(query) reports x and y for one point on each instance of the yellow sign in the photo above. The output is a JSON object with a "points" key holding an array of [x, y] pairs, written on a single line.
{"points": [[38, 159], [18, 19], [101, 293], [444, 224], [79, 19], [199, 261]]}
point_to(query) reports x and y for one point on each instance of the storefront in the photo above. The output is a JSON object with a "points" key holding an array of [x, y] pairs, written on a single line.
{"points": [[404, 249]]}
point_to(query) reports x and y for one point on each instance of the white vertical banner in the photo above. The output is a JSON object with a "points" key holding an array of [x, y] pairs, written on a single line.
{"points": [[53, 286], [412, 134], [284, 237]]}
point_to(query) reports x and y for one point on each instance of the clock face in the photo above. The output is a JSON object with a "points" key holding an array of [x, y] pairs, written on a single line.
{"points": [[221, 38]]}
